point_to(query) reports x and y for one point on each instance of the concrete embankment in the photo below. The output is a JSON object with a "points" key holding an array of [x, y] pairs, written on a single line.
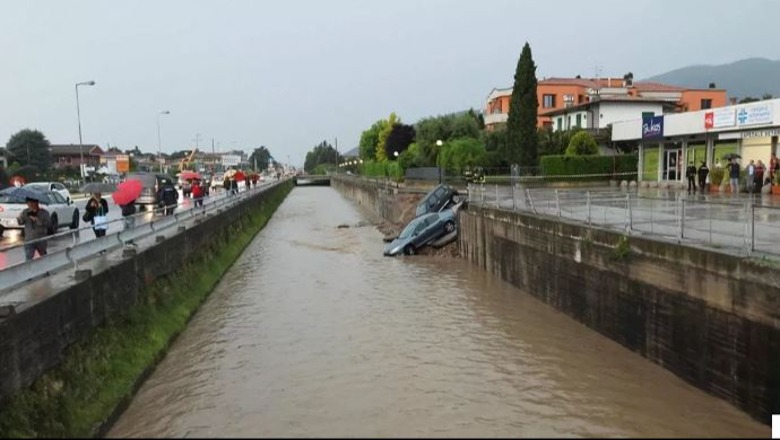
{"points": [[69, 363], [709, 317]]}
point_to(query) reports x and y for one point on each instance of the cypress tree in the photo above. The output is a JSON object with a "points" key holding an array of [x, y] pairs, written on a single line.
{"points": [[523, 107]]}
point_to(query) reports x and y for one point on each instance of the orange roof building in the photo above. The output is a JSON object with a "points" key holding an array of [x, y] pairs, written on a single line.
{"points": [[557, 94]]}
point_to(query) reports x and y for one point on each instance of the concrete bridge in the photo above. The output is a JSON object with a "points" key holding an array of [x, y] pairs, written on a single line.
{"points": [[311, 180]]}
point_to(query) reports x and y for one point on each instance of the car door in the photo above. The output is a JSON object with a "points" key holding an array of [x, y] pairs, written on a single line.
{"points": [[61, 190], [61, 207], [428, 231], [441, 198]]}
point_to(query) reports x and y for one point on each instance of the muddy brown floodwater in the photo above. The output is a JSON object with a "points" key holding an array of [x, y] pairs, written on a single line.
{"points": [[314, 333]]}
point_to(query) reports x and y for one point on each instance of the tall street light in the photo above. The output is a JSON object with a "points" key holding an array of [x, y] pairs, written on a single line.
{"points": [[159, 141], [78, 115], [439, 143]]}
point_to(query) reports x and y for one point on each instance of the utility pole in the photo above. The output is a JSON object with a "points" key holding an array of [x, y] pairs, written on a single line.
{"points": [[197, 140], [337, 154]]}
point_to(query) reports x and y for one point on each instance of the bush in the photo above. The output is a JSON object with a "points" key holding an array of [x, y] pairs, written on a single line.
{"points": [[716, 176], [588, 167], [372, 168], [582, 143]]}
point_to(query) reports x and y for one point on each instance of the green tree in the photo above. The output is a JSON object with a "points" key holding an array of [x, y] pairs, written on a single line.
{"points": [[322, 154], [582, 144], [369, 140], [30, 148], [411, 157], [464, 126], [463, 152], [554, 142], [384, 133], [521, 143], [261, 156]]}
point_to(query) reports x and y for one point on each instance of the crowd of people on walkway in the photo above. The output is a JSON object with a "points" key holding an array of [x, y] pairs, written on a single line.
{"points": [[756, 174]]}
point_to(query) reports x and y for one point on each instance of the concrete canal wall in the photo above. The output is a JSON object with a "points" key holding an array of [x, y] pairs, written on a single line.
{"points": [[162, 283], [709, 317], [392, 204]]}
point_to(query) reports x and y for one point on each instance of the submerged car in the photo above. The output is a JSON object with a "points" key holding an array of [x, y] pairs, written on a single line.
{"points": [[438, 199], [422, 231]]}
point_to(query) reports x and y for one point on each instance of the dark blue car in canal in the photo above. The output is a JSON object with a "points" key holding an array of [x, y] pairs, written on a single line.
{"points": [[422, 231]]}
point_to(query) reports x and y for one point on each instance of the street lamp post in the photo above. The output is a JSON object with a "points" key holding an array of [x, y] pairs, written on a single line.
{"points": [[159, 141], [439, 143], [78, 115]]}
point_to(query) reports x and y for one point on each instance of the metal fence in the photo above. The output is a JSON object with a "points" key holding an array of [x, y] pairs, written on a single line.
{"points": [[745, 227], [78, 250]]}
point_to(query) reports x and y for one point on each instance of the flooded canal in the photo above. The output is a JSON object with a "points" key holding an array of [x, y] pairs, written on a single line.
{"points": [[313, 333]]}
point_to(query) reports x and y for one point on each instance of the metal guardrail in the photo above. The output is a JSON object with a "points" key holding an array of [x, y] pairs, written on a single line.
{"points": [[742, 226], [79, 251]]}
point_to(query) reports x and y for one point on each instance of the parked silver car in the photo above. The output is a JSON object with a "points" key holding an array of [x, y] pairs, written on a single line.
{"points": [[51, 186], [62, 213], [422, 231]]}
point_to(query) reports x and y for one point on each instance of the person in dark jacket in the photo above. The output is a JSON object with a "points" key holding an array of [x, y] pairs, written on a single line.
{"points": [[690, 173], [97, 211], [168, 197], [703, 173], [734, 170], [36, 222], [128, 213]]}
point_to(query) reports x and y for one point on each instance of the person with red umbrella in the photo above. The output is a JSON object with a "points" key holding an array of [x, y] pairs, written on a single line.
{"points": [[125, 195]]}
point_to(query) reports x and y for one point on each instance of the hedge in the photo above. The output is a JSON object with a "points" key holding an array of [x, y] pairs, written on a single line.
{"points": [[389, 169], [559, 167]]}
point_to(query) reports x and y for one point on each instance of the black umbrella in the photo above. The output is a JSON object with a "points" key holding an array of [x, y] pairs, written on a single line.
{"points": [[23, 192], [98, 187], [729, 156]]}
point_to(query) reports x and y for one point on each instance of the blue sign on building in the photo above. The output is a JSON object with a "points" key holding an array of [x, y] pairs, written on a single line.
{"points": [[653, 127]]}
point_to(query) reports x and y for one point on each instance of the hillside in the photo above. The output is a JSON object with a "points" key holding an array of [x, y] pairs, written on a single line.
{"points": [[748, 77]]}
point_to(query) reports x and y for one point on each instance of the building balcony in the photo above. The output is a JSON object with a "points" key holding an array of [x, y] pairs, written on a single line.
{"points": [[496, 118]]}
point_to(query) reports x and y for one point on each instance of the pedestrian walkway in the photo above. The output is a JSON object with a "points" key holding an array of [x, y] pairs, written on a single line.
{"points": [[741, 224]]}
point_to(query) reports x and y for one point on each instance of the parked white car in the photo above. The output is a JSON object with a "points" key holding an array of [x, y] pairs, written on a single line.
{"points": [[52, 186], [62, 213]]}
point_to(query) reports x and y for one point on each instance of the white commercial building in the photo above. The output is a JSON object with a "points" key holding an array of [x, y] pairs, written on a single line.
{"points": [[668, 142], [600, 113]]}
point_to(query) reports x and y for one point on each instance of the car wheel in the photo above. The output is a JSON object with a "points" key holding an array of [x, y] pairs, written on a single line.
{"points": [[74, 224], [55, 225], [455, 198], [449, 227], [409, 250]]}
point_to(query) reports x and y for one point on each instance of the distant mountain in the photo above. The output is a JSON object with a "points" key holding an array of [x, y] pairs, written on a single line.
{"points": [[749, 77]]}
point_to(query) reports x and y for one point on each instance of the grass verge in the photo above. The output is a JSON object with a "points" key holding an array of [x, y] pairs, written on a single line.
{"points": [[99, 374]]}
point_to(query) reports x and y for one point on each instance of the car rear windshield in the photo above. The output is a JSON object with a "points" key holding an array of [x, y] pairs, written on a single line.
{"points": [[5, 198]]}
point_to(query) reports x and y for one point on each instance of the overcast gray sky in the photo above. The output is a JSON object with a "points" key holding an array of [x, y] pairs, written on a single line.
{"points": [[288, 74]]}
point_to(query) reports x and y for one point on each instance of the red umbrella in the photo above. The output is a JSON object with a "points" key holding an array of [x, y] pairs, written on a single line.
{"points": [[186, 175], [240, 176], [16, 179], [127, 191]]}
